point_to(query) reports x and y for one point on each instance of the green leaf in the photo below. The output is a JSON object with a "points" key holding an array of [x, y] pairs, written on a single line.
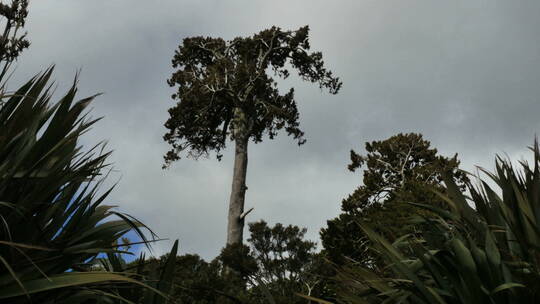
{"points": [[506, 286], [165, 282], [492, 252], [69, 280], [320, 301]]}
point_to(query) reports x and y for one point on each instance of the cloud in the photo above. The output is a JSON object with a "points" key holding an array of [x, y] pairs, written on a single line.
{"points": [[464, 73]]}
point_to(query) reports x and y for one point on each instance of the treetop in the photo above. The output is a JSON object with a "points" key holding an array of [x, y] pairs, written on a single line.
{"points": [[218, 81]]}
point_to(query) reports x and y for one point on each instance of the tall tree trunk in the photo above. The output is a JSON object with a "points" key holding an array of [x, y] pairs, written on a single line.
{"points": [[235, 226]]}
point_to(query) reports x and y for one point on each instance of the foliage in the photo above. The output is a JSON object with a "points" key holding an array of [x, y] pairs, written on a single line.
{"points": [[157, 278], [487, 247], [12, 42], [399, 169], [225, 84], [283, 256], [52, 221], [200, 282], [225, 91], [277, 264]]}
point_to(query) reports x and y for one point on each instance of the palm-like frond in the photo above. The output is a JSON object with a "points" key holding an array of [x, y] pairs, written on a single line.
{"points": [[52, 221], [484, 248]]}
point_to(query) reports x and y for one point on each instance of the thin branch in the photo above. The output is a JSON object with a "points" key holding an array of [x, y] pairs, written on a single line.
{"points": [[245, 213]]}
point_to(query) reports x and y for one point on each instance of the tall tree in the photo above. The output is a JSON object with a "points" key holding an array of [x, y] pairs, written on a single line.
{"points": [[403, 168], [225, 91]]}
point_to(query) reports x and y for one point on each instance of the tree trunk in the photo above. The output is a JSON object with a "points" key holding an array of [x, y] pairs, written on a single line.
{"points": [[235, 226]]}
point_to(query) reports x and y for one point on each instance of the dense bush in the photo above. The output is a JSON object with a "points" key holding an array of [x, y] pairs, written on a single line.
{"points": [[485, 248], [275, 265], [397, 170]]}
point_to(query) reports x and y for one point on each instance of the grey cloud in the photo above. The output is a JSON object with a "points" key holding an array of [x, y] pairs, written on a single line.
{"points": [[464, 73]]}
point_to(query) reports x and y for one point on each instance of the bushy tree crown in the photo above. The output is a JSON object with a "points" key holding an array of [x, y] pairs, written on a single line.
{"points": [[215, 78]]}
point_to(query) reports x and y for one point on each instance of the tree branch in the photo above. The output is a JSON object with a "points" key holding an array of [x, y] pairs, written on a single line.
{"points": [[245, 213], [402, 171]]}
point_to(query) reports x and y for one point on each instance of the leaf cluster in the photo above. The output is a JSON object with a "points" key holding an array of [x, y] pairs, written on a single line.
{"points": [[403, 168], [12, 41], [154, 278], [276, 264], [483, 248], [52, 220], [217, 79]]}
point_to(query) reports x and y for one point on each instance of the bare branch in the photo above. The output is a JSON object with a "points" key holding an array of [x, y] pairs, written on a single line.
{"points": [[245, 213]]}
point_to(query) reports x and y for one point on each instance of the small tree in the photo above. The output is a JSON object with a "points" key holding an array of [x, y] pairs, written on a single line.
{"points": [[225, 91], [278, 264], [201, 282]]}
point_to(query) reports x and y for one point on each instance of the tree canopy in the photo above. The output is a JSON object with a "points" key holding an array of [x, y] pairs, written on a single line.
{"points": [[276, 263], [215, 78], [484, 248], [403, 168]]}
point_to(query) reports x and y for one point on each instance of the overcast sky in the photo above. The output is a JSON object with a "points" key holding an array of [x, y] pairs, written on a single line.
{"points": [[465, 73]]}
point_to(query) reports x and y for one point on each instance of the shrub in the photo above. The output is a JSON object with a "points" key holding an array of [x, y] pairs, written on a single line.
{"points": [[484, 248]]}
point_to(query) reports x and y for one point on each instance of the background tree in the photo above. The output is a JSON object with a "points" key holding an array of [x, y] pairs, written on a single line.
{"points": [[201, 282], [276, 264], [12, 41], [401, 169], [225, 91], [487, 248]]}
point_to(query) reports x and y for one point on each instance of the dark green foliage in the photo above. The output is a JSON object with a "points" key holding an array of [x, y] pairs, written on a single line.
{"points": [[280, 251], [277, 264], [52, 221], [201, 282], [400, 169], [239, 257], [156, 275], [487, 247], [224, 89], [12, 42]]}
